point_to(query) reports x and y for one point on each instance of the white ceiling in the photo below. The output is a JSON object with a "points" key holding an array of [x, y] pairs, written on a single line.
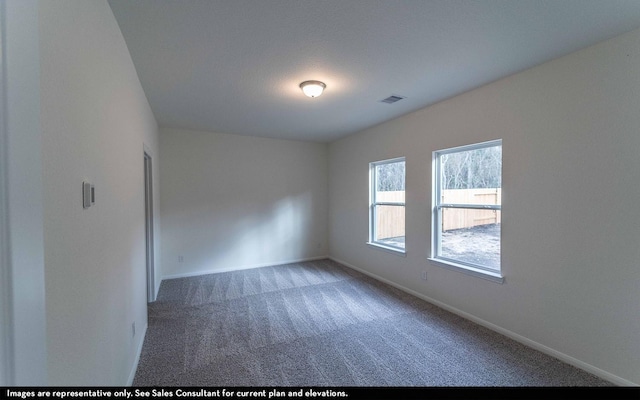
{"points": [[234, 66]]}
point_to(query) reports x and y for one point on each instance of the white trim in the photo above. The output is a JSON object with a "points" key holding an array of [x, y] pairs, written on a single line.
{"points": [[470, 147], [230, 269], [469, 270], [149, 228], [134, 368], [389, 249], [147, 149], [496, 207], [614, 379], [156, 233]]}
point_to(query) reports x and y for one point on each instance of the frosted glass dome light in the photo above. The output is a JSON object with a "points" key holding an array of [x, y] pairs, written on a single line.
{"points": [[312, 88]]}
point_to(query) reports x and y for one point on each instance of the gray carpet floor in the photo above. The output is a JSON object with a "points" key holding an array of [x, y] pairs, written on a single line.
{"points": [[319, 323]]}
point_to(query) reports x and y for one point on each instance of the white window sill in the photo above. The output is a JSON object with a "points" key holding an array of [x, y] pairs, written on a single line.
{"points": [[388, 249], [465, 269]]}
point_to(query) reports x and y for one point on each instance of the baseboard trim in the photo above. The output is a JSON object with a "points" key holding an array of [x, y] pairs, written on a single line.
{"points": [[134, 368], [614, 379], [218, 271]]}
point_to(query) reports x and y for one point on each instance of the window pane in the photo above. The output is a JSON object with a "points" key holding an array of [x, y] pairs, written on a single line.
{"points": [[471, 236], [472, 196], [472, 169], [388, 220], [390, 225], [390, 182]]}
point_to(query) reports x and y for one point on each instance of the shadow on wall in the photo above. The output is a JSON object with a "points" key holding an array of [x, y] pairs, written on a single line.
{"points": [[263, 235]]}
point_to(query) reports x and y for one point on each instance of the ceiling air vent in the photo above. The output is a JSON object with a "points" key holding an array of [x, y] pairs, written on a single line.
{"points": [[392, 99]]}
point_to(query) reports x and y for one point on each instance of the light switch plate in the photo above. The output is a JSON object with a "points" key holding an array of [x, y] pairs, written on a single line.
{"points": [[86, 195]]}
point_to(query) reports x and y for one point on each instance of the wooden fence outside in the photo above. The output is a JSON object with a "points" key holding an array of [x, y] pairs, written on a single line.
{"points": [[391, 219], [458, 218]]}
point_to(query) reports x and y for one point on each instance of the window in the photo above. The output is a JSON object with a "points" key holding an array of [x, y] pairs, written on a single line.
{"points": [[467, 190], [386, 221]]}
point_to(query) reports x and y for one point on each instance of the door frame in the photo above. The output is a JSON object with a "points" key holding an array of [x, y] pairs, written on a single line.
{"points": [[148, 223]]}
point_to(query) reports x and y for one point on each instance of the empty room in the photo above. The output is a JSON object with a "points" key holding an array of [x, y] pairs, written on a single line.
{"points": [[357, 193]]}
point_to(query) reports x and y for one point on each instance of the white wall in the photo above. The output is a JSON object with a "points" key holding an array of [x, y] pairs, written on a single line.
{"points": [[234, 202], [95, 121], [22, 298], [571, 168]]}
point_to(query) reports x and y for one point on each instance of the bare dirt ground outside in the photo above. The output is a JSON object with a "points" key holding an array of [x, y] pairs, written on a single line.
{"points": [[477, 245]]}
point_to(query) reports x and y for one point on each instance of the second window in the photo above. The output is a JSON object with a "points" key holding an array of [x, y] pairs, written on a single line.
{"points": [[467, 206]]}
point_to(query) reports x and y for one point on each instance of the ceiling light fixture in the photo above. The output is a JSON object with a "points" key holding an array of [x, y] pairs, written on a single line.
{"points": [[312, 88]]}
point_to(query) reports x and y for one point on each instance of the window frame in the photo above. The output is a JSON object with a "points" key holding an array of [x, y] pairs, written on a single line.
{"points": [[373, 203], [478, 270]]}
